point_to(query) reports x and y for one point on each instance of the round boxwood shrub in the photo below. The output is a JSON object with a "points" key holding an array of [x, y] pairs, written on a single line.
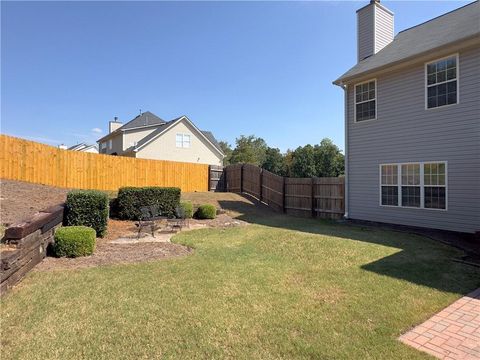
{"points": [[187, 209], [74, 241], [87, 208], [206, 211]]}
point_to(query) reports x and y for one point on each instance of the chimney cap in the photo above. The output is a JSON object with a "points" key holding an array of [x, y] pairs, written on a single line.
{"points": [[374, 1], [115, 118]]}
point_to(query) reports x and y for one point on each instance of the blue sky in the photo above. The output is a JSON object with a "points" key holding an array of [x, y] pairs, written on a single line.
{"points": [[262, 68]]}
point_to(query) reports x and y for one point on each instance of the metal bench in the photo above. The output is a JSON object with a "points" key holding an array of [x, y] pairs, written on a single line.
{"points": [[150, 217], [180, 220]]}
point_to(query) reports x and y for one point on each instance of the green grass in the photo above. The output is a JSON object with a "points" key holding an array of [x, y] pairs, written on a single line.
{"points": [[280, 288]]}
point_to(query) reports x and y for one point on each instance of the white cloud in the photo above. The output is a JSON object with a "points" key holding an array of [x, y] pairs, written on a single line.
{"points": [[97, 130]]}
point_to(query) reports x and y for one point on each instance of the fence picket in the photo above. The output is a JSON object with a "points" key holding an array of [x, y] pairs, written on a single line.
{"points": [[34, 162]]}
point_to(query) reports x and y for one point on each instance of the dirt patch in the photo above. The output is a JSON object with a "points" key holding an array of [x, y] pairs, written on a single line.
{"points": [[21, 200], [108, 254]]}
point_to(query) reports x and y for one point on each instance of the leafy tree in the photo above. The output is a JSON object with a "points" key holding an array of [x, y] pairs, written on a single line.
{"points": [[227, 150], [303, 162], [274, 161], [329, 161], [288, 160], [249, 150]]}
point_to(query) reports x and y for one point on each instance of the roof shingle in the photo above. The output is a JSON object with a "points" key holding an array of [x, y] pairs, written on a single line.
{"points": [[448, 28]]}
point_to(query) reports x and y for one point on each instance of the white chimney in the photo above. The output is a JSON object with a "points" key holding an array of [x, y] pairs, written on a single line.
{"points": [[374, 29], [62, 147], [114, 125]]}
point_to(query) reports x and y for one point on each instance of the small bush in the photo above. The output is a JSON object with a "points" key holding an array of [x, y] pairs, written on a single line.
{"points": [[206, 211], [74, 241], [131, 199], [87, 208], [187, 208]]}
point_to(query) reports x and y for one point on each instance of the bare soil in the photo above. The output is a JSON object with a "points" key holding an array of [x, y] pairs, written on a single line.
{"points": [[21, 200], [109, 254]]}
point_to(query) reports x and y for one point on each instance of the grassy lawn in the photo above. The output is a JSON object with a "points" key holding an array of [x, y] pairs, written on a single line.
{"points": [[282, 287]]}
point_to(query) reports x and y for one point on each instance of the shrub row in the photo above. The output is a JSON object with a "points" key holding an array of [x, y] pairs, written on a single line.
{"points": [[87, 208], [131, 199]]}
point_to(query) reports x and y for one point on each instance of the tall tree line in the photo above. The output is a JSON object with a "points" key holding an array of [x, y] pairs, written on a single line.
{"points": [[322, 160]]}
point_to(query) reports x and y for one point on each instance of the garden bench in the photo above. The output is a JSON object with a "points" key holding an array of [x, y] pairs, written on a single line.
{"points": [[180, 220], [150, 217]]}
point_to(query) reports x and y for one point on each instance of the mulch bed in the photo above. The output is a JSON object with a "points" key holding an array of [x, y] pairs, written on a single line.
{"points": [[109, 254]]}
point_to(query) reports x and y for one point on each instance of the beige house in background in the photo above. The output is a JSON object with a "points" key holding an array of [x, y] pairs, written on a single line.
{"points": [[149, 137]]}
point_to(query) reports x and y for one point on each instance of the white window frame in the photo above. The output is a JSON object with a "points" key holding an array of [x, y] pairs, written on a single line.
{"points": [[422, 185], [457, 59], [355, 101], [381, 184], [103, 145], [183, 136]]}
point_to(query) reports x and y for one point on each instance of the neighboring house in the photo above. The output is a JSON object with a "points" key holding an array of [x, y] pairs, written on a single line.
{"points": [[149, 137], [85, 148], [412, 121]]}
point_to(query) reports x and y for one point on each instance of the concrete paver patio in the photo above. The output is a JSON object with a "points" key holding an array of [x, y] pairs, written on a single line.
{"points": [[453, 333]]}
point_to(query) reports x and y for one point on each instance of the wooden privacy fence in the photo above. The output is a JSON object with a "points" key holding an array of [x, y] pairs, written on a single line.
{"points": [[322, 197], [38, 163]]}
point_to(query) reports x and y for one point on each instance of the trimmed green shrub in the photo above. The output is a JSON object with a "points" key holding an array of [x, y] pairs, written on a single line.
{"points": [[187, 208], [206, 211], [74, 241], [131, 199], [87, 208]]}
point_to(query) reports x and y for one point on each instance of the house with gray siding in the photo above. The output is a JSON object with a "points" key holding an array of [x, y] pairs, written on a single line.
{"points": [[412, 121]]}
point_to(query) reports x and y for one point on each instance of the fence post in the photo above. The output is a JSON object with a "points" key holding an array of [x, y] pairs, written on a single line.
{"points": [[224, 174], [209, 186], [261, 185], [283, 195], [312, 184], [241, 178]]}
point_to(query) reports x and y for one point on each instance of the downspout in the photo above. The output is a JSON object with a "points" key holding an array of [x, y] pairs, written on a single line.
{"points": [[345, 107], [345, 92]]}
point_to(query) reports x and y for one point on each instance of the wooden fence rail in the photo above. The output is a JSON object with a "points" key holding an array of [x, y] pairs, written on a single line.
{"points": [[318, 197], [34, 162]]}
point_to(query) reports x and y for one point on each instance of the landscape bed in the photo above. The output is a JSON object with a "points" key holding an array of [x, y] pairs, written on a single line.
{"points": [[282, 287]]}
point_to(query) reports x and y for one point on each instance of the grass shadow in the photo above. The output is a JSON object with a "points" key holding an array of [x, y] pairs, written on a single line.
{"points": [[421, 260]]}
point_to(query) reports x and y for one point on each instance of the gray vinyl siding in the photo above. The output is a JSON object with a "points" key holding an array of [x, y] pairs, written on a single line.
{"points": [[406, 132], [365, 32], [383, 28]]}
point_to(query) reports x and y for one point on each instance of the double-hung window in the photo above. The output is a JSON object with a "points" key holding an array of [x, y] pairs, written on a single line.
{"points": [[182, 140], [410, 185], [435, 186], [442, 82], [365, 101], [414, 185], [389, 185]]}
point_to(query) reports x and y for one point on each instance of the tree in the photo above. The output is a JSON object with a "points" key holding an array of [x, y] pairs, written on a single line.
{"points": [[227, 150], [329, 161], [303, 162], [249, 150], [274, 161]]}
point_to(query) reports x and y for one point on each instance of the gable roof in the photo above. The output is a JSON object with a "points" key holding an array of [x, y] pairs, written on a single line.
{"points": [[165, 126], [460, 24], [145, 119], [82, 147]]}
